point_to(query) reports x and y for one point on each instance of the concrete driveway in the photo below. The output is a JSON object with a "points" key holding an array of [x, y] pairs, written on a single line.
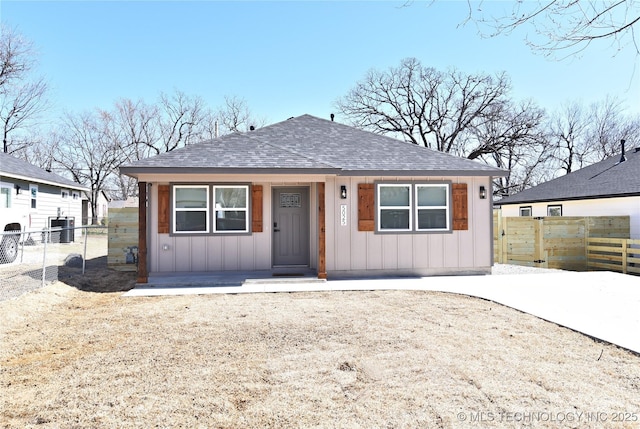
{"points": [[603, 305]]}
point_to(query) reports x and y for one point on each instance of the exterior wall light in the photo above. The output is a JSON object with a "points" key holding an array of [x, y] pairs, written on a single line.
{"points": [[483, 193], [343, 192], [17, 189]]}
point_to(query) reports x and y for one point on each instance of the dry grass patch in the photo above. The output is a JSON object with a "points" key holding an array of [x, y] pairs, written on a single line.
{"points": [[384, 359]]}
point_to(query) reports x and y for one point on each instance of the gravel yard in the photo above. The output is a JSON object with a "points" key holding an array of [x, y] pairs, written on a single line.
{"points": [[77, 354]]}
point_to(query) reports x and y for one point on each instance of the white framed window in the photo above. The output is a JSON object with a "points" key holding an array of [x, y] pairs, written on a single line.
{"points": [[75, 195], [191, 209], [33, 192], [6, 192], [64, 193], [231, 209], [394, 207], [413, 207], [525, 211], [432, 207], [554, 210]]}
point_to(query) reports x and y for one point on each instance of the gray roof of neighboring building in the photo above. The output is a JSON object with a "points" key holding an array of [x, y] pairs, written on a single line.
{"points": [[307, 144], [16, 168], [605, 179]]}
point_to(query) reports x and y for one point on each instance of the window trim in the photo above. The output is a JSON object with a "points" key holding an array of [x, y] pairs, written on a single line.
{"points": [[211, 229], [174, 209], [446, 207], [247, 223], [521, 208], [408, 208], [64, 193], [413, 207], [554, 206], [33, 196], [10, 189]]}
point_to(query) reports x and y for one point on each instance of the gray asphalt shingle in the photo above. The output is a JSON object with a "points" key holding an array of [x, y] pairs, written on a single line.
{"points": [[608, 178], [10, 165], [313, 145]]}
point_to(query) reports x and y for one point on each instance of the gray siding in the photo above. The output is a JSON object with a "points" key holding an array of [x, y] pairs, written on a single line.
{"points": [[348, 251]]}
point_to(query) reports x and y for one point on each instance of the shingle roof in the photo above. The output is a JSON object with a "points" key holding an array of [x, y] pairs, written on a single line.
{"points": [[608, 178], [11, 166], [307, 144]]}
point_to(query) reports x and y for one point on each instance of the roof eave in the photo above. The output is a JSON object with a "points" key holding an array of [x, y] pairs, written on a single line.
{"points": [[136, 171], [75, 186], [575, 198], [406, 173]]}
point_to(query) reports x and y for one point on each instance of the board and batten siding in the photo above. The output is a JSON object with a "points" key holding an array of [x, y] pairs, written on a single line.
{"points": [[354, 252], [348, 250], [171, 253], [618, 206]]}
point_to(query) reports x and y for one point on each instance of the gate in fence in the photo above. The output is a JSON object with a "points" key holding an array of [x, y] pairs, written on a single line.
{"points": [[559, 242]]}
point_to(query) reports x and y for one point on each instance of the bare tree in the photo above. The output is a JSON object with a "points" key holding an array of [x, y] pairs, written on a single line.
{"points": [[425, 106], [566, 27], [90, 151], [570, 147], [513, 137], [235, 116], [19, 107], [17, 57], [22, 99], [609, 125], [177, 119], [580, 136], [139, 133]]}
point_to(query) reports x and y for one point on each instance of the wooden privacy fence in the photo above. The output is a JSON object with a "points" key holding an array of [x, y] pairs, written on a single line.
{"points": [[552, 242], [123, 239], [614, 254]]}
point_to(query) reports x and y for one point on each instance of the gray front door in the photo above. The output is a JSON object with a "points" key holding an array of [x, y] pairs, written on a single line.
{"points": [[290, 226]]}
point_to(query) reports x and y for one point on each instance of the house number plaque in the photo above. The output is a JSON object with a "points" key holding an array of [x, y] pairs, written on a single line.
{"points": [[343, 214], [290, 200]]}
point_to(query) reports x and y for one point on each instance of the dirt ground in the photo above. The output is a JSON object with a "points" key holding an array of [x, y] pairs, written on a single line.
{"points": [[79, 355]]}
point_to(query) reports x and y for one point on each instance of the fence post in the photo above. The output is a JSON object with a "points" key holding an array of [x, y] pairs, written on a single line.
{"points": [[499, 235], [504, 254], [84, 254], [44, 257], [624, 256]]}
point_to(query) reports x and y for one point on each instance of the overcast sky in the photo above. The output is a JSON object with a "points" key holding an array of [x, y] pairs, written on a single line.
{"points": [[286, 58]]}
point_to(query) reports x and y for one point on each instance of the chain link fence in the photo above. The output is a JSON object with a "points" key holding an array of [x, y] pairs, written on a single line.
{"points": [[33, 259]]}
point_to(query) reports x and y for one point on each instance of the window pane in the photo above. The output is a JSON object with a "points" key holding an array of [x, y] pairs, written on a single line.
{"points": [[5, 200], [191, 198], [231, 197], [394, 195], [394, 219], [231, 221], [432, 196], [191, 221], [432, 219]]}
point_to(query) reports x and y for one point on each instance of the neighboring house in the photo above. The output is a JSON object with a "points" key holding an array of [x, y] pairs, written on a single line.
{"points": [[102, 209], [33, 198], [309, 192], [607, 188]]}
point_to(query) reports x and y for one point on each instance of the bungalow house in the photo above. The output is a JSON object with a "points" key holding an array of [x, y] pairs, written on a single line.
{"points": [[607, 188], [309, 192], [33, 199]]}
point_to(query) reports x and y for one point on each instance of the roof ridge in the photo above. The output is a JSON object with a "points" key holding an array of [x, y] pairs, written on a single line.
{"points": [[288, 149]]}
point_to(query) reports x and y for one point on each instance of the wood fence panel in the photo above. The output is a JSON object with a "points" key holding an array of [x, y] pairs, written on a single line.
{"points": [[520, 239], [564, 243], [614, 254], [555, 242], [123, 239]]}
